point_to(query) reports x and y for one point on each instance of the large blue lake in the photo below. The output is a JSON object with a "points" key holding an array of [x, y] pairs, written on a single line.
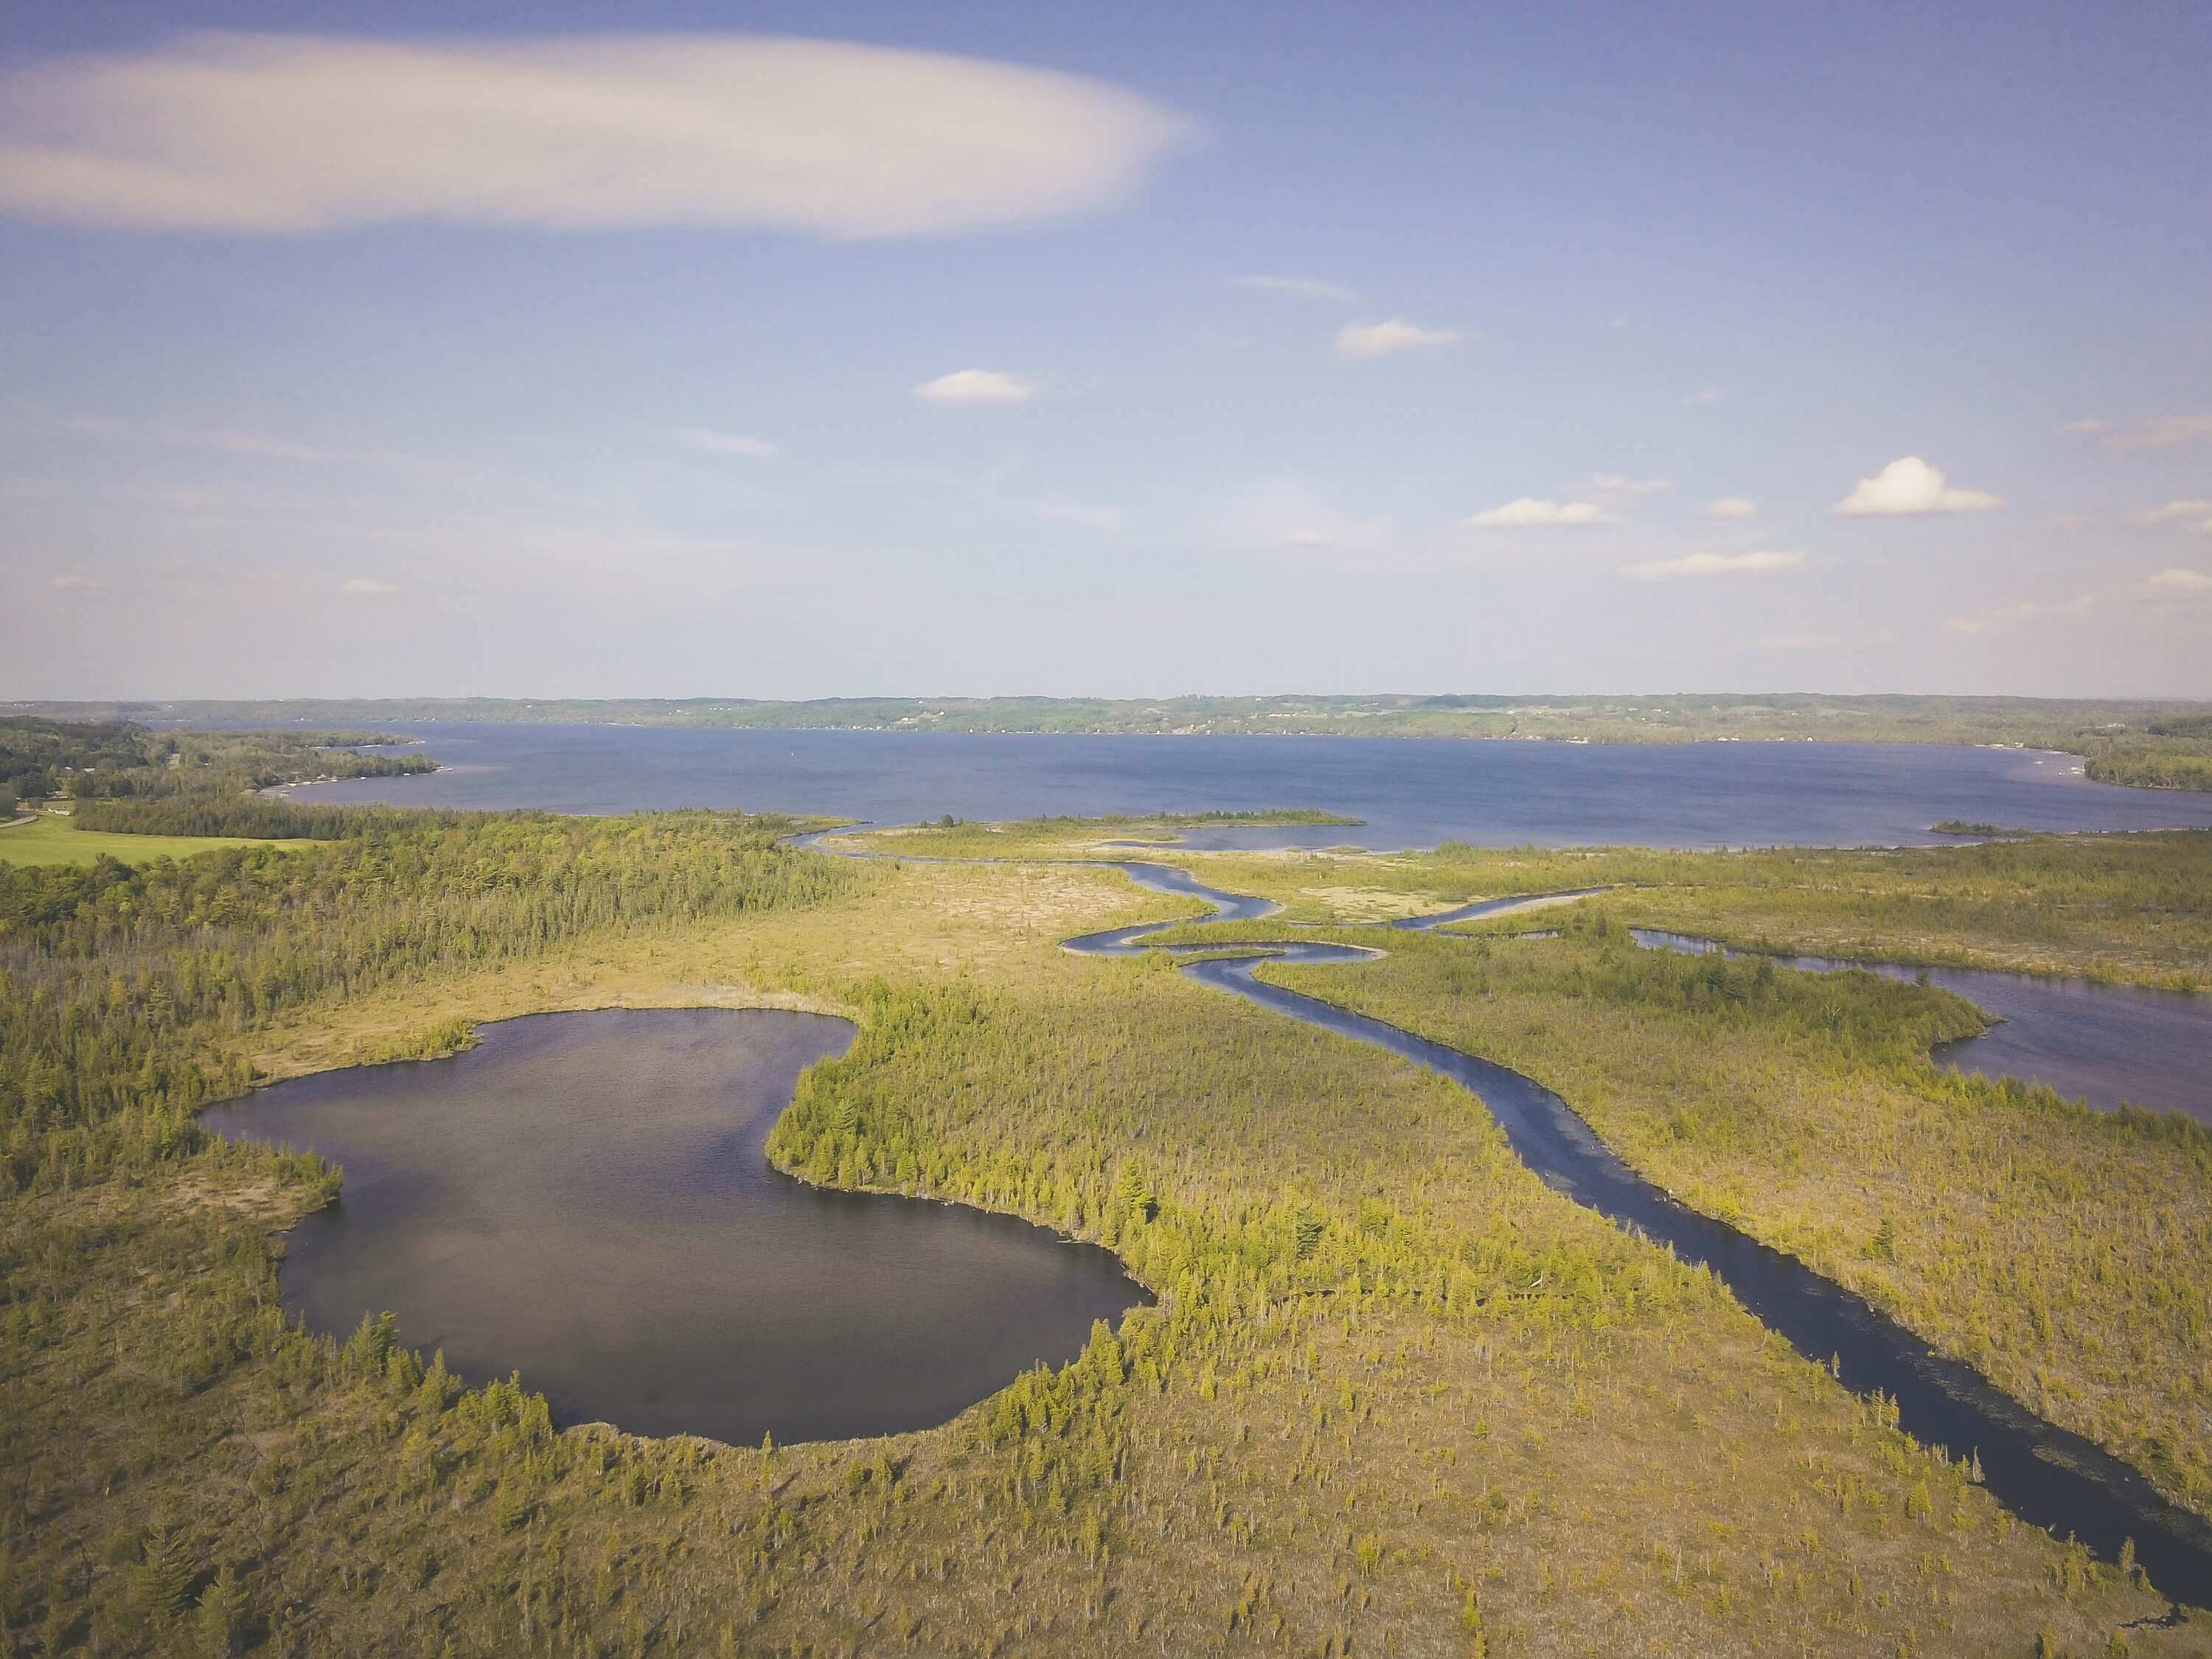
{"points": [[1411, 792]]}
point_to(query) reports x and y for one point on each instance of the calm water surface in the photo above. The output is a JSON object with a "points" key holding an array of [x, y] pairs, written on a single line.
{"points": [[586, 1197], [2101, 1043], [1411, 792]]}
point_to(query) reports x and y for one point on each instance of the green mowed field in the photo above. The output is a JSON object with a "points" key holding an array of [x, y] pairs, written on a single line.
{"points": [[48, 839]]}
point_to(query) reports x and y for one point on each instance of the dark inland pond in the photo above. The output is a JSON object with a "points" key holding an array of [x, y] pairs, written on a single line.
{"points": [[2044, 1474], [586, 1197]]}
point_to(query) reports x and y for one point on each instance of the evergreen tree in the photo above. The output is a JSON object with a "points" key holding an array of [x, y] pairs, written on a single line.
{"points": [[164, 1579], [222, 1624]]}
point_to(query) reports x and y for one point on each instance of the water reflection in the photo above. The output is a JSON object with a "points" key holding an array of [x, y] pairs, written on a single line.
{"points": [[585, 1197]]}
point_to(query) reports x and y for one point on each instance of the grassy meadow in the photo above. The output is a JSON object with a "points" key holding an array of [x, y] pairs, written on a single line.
{"points": [[49, 838]]}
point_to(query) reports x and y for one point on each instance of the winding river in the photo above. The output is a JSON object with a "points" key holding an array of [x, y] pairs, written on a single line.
{"points": [[2042, 1473]]}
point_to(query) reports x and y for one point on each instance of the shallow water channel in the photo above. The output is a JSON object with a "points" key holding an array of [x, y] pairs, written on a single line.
{"points": [[586, 1197], [2042, 1473]]}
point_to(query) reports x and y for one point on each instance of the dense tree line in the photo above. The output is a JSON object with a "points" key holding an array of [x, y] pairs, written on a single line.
{"points": [[117, 760], [124, 994], [37, 755]]}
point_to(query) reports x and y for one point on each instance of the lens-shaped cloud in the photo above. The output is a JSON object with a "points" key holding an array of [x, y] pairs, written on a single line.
{"points": [[288, 135], [977, 385]]}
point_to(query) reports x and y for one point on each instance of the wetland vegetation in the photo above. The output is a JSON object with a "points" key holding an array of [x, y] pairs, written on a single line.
{"points": [[1397, 1395]]}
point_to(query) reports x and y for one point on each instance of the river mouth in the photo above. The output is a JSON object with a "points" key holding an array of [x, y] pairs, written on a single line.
{"points": [[586, 1197]]}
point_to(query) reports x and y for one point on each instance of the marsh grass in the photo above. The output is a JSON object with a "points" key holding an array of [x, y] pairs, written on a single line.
{"points": [[2129, 908], [2065, 1253], [1397, 1395]]}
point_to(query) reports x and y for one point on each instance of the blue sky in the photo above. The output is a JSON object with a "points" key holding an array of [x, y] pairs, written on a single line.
{"points": [[350, 349]]}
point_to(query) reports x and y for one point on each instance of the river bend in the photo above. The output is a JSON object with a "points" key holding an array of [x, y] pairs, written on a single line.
{"points": [[2045, 1474]]}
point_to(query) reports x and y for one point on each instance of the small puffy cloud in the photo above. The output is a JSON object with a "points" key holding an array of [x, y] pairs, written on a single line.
{"points": [[1711, 565], [1359, 342], [291, 134], [710, 442], [1910, 486], [1614, 483], [2146, 431], [1298, 288], [2194, 584], [2197, 515], [1531, 512], [1730, 507], [976, 385], [70, 582], [1703, 398], [366, 587]]}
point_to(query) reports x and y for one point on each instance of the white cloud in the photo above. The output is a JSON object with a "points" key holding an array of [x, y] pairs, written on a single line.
{"points": [[1530, 511], [1908, 486], [725, 443], [1703, 398], [1357, 341], [366, 587], [1298, 288], [2171, 580], [1613, 484], [2196, 514], [976, 385], [1730, 507], [291, 134], [70, 582], [2146, 431], [1711, 565]]}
